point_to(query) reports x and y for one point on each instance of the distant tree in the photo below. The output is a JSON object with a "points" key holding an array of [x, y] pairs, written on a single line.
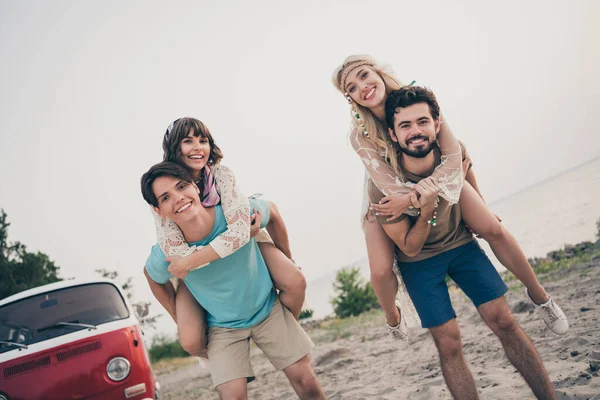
{"points": [[598, 229], [353, 295], [306, 313], [165, 347], [142, 307], [19, 269]]}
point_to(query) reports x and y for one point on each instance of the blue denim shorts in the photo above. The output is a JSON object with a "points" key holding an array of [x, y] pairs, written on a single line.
{"points": [[467, 265]]}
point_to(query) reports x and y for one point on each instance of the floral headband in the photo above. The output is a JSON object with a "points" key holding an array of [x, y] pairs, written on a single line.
{"points": [[349, 68]]}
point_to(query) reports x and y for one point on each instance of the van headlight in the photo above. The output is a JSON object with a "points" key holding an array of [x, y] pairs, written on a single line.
{"points": [[118, 369]]}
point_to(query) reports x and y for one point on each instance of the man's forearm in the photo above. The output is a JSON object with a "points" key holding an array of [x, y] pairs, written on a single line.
{"points": [[164, 293], [278, 231], [409, 238], [416, 237]]}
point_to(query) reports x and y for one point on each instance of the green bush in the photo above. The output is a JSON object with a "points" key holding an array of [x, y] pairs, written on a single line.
{"points": [[165, 347], [306, 313], [353, 295]]}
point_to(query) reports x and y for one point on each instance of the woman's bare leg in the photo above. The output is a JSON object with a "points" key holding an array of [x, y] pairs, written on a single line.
{"points": [[482, 221], [286, 276], [380, 249], [191, 322]]}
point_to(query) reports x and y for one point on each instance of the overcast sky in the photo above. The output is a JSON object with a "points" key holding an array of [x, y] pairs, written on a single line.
{"points": [[87, 90]]}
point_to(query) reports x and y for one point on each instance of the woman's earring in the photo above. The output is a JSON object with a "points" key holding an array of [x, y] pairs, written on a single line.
{"points": [[348, 97]]}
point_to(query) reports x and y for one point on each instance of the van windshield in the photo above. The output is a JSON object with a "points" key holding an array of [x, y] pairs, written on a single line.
{"points": [[60, 312]]}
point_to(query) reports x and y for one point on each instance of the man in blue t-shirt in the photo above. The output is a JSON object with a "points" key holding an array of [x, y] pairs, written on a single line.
{"points": [[236, 291]]}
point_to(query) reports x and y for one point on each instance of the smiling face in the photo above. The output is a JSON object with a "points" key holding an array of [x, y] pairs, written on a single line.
{"points": [[365, 87], [195, 151], [415, 130], [178, 200]]}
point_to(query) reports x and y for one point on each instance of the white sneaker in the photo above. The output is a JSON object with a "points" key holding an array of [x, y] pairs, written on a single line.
{"points": [[398, 333], [552, 315]]}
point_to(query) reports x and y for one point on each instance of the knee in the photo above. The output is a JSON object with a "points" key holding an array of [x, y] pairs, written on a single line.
{"points": [[273, 209], [493, 232], [294, 283], [502, 322], [299, 284], [381, 275], [449, 347], [229, 394], [194, 345], [308, 384]]}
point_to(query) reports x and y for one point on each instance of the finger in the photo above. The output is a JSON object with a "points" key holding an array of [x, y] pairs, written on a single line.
{"points": [[393, 217], [379, 207], [385, 200], [432, 182], [414, 199], [384, 211], [426, 184]]}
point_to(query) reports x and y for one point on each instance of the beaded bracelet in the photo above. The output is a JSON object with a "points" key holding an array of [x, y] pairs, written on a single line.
{"points": [[433, 220]]}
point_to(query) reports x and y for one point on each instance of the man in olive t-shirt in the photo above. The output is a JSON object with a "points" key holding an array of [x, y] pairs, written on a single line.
{"points": [[449, 231], [436, 243]]}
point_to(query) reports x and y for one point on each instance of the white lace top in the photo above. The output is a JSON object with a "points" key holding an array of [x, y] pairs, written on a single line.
{"points": [[236, 208], [448, 173]]}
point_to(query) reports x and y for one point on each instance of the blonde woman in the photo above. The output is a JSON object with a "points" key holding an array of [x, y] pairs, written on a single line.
{"points": [[366, 84]]}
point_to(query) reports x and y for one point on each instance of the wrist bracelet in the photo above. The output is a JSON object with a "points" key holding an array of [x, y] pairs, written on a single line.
{"points": [[433, 220]]}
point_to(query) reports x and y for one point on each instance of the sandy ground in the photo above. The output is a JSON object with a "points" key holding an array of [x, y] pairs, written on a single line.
{"points": [[352, 361]]}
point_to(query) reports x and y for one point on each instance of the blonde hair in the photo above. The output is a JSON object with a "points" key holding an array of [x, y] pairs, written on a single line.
{"points": [[378, 135]]}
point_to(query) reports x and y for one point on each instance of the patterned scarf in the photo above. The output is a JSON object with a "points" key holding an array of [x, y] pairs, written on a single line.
{"points": [[209, 196]]}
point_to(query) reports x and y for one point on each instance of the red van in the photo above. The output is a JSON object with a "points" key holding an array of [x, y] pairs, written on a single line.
{"points": [[73, 340]]}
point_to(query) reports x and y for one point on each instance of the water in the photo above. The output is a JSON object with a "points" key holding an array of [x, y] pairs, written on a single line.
{"points": [[544, 217]]}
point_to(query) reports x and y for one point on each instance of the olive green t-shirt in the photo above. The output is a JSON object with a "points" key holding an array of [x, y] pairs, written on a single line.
{"points": [[448, 233]]}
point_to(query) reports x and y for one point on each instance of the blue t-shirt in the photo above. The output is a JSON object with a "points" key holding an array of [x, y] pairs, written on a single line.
{"points": [[236, 291]]}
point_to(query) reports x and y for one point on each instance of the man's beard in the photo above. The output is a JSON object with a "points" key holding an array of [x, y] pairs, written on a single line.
{"points": [[420, 152]]}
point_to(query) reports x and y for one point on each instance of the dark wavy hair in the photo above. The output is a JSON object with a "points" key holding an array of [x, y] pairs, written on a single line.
{"points": [[172, 141], [406, 97], [162, 169]]}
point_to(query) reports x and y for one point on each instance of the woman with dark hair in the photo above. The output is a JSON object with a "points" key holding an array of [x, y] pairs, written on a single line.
{"points": [[188, 142]]}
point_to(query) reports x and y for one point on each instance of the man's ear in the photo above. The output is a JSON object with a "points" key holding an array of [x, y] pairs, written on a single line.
{"points": [[437, 123], [392, 135], [158, 211], [196, 187]]}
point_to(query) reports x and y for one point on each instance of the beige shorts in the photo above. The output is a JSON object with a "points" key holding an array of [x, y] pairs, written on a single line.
{"points": [[279, 336]]}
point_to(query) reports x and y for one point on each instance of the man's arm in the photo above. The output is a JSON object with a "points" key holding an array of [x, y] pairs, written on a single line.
{"points": [[278, 231], [164, 293], [409, 237]]}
